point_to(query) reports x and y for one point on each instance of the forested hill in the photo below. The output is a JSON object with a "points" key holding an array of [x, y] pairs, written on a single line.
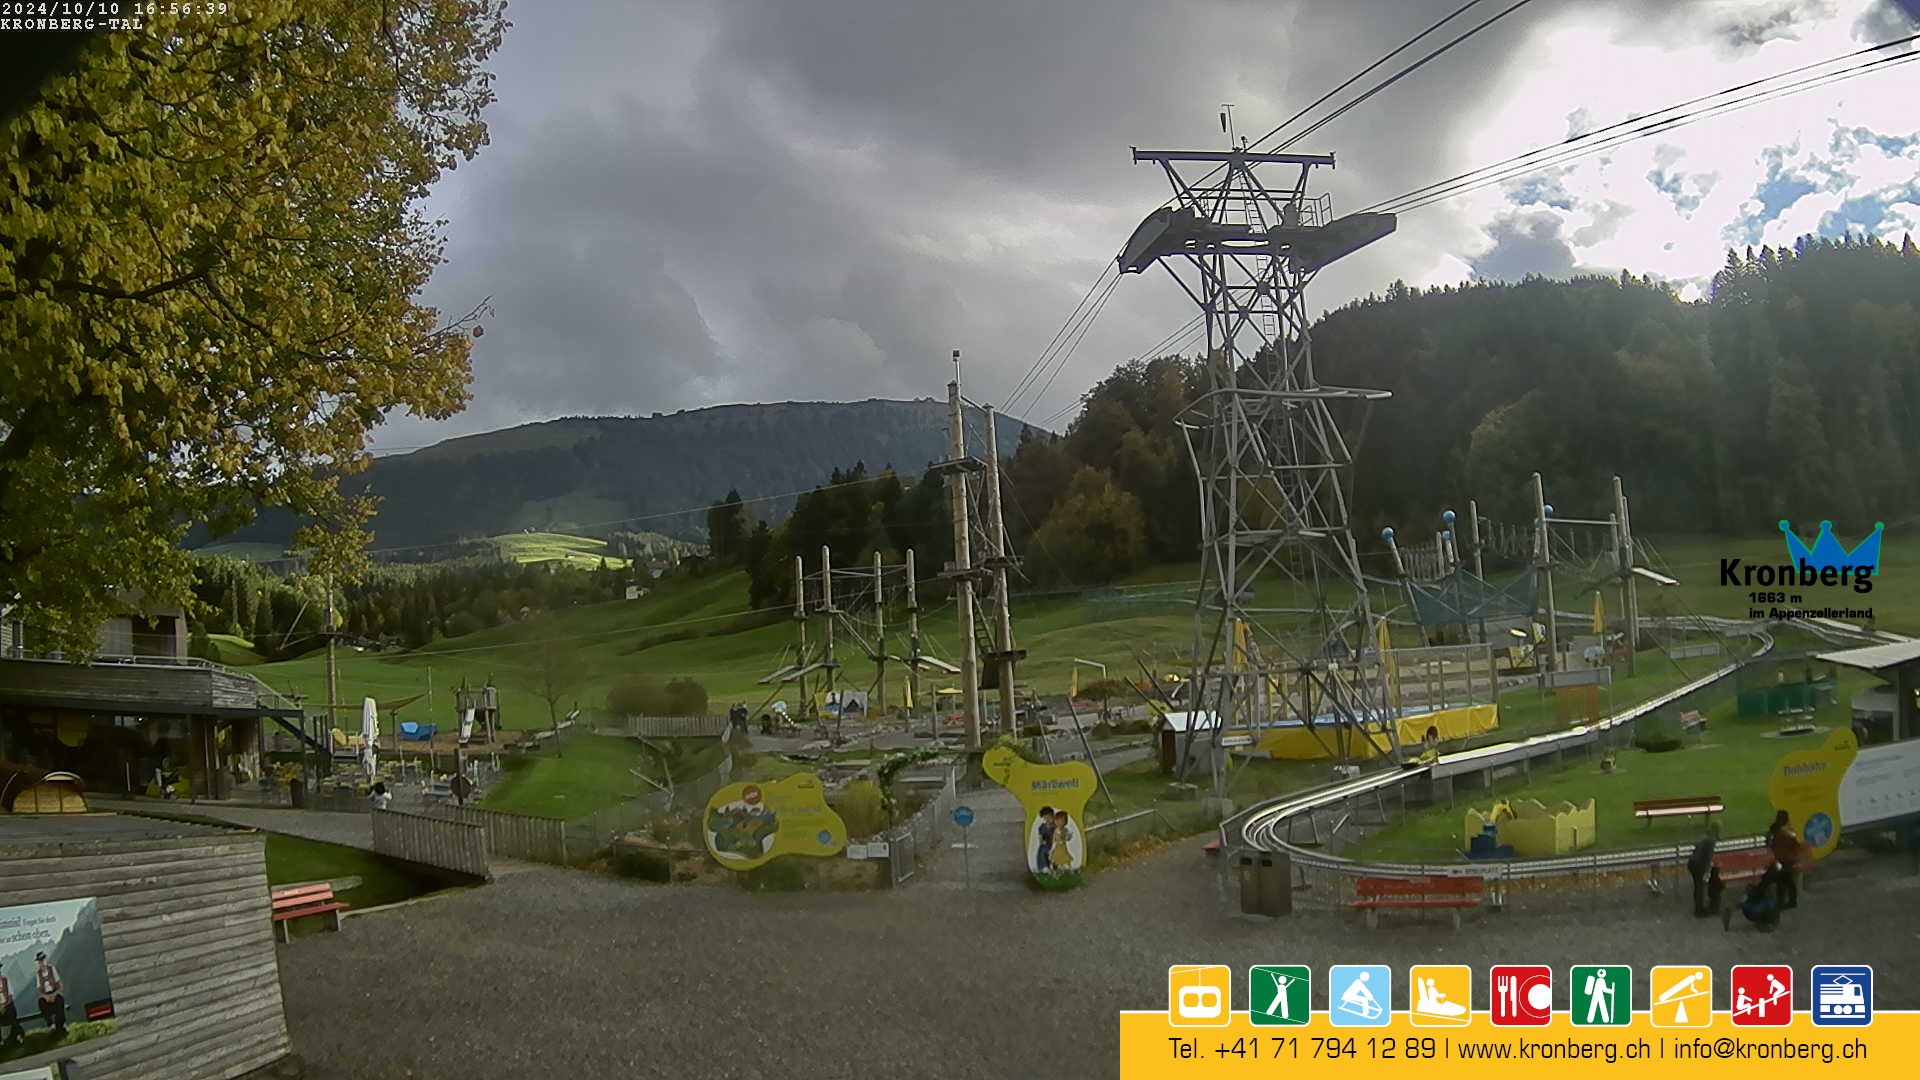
{"points": [[1793, 391], [568, 475]]}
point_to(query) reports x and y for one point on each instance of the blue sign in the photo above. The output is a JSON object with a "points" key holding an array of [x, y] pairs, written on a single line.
{"points": [[1819, 830], [1359, 995], [963, 816], [1842, 995]]}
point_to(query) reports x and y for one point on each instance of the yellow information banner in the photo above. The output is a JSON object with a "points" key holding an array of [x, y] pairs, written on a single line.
{"points": [[1055, 800], [1806, 784], [1153, 1048], [748, 824]]}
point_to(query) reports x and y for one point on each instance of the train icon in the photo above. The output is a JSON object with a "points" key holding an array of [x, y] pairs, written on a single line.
{"points": [[1842, 995]]}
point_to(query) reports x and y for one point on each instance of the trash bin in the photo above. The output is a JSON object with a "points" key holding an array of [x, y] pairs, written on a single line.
{"points": [[1275, 873], [297, 791], [1250, 885]]}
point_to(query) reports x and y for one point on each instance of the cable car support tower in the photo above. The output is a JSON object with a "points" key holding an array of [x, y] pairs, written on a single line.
{"points": [[1271, 462]]}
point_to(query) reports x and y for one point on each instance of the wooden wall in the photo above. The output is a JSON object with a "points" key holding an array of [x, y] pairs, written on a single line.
{"points": [[190, 950], [442, 842]]}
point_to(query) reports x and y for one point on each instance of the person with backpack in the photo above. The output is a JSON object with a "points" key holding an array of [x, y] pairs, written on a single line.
{"points": [[1762, 905]]}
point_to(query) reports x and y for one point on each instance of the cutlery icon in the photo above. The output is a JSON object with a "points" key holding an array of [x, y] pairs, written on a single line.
{"points": [[1503, 993]]}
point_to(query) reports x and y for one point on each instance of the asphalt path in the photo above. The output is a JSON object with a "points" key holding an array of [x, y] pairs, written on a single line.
{"points": [[565, 973]]}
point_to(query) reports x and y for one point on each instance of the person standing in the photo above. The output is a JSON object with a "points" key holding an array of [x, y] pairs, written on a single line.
{"points": [[53, 1003], [1699, 865], [10, 1017], [1784, 843], [382, 798]]}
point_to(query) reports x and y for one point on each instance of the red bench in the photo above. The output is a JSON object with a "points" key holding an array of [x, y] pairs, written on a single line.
{"points": [[303, 900], [1452, 893], [1749, 865], [1704, 805]]}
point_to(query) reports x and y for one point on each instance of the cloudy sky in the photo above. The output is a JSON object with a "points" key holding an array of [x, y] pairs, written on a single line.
{"points": [[759, 200]]}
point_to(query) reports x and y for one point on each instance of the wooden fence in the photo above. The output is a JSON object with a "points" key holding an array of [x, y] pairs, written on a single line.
{"points": [[435, 841], [514, 836], [666, 727]]}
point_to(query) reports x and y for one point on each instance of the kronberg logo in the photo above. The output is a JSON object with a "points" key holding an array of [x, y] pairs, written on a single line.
{"points": [[1827, 563]]}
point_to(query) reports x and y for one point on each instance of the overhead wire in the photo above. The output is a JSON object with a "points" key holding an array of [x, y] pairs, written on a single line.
{"points": [[1668, 118]]}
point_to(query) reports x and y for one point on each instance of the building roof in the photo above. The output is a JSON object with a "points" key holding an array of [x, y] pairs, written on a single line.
{"points": [[1875, 657]]}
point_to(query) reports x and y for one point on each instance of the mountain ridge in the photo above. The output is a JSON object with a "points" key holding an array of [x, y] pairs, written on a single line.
{"points": [[593, 475]]}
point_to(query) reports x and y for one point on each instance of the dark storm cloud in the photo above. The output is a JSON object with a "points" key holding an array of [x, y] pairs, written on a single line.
{"points": [[760, 199]]}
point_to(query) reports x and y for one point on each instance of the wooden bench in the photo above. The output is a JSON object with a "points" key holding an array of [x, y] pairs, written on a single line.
{"points": [[1452, 893], [303, 900], [1692, 723], [1704, 805]]}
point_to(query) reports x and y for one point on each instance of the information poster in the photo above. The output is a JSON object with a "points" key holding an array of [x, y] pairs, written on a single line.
{"points": [[53, 977], [750, 824], [1055, 800]]}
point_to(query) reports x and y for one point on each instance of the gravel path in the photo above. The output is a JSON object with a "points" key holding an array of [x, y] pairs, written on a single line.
{"points": [[555, 972]]}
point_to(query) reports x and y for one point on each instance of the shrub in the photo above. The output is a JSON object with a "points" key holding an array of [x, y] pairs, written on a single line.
{"points": [[643, 694], [644, 865], [864, 808], [1019, 746], [1658, 734], [781, 875]]}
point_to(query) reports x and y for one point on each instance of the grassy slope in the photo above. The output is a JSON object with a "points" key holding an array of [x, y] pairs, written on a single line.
{"points": [[590, 773], [695, 628], [293, 859], [234, 651], [539, 547]]}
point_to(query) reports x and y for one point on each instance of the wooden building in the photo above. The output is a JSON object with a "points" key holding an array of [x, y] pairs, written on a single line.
{"points": [[185, 921], [138, 708]]}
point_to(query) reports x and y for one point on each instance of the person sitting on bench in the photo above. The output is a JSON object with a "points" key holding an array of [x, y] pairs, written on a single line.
{"points": [[1761, 907]]}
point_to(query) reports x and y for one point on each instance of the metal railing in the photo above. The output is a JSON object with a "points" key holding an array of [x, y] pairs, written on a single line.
{"points": [[921, 832], [1270, 826]]}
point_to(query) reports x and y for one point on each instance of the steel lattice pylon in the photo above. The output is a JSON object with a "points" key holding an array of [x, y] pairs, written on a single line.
{"points": [[1269, 458]]}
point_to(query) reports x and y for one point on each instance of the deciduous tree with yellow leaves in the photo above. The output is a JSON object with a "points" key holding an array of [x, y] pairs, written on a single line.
{"points": [[211, 255]]}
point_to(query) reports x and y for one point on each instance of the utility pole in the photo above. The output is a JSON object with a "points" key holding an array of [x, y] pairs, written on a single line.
{"points": [[913, 647], [1543, 550], [1473, 532], [1628, 586], [879, 639], [800, 621], [827, 611], [333, 663], [957, 466], [999, 559]]}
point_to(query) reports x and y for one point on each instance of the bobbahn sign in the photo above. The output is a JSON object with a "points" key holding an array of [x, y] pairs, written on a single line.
{"points": [[747, 825], [1055, 800]]}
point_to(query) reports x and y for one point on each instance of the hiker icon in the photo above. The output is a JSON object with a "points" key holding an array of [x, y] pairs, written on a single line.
{"points": [[1360, 993]]}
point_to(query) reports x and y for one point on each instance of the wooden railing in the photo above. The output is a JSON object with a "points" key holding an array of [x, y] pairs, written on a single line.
{"points": [[435, 841]]}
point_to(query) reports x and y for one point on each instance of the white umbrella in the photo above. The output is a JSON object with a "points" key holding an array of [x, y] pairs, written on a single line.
{"points": [[369, 733]]}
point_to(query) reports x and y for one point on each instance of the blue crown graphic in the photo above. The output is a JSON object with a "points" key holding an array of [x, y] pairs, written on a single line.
{"points": [[1827, 552]]}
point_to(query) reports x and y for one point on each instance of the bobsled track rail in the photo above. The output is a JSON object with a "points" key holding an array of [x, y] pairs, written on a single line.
{"points": [[1278, 825]]}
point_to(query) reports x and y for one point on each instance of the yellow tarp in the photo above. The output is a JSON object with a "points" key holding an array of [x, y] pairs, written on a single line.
{"points": [[1299, 744]]}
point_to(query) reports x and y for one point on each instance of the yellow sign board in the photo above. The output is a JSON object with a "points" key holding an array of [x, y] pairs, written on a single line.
{"points": [[1806, 784], [1055, 800], [749, 824]]}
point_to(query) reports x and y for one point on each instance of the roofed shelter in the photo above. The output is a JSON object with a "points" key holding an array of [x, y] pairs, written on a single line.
{"points": [[1898, 664], [138, 707]]}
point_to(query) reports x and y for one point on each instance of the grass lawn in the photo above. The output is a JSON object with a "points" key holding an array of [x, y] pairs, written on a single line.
{"points": [[541, 547], [1733, 760], [41, 1039], [587, 774], [234, 651], [293, 859]]}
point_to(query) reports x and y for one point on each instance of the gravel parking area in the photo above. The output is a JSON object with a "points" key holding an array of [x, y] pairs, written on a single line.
{"points": [[556, 972]]}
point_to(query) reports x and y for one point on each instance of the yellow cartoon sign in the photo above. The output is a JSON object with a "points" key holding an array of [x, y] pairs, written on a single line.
{"points": [[754, 823], [1055, 800], [1806, 784]]}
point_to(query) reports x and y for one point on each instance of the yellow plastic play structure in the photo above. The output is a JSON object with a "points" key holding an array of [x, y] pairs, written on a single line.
{"points": [[1530, 828]]}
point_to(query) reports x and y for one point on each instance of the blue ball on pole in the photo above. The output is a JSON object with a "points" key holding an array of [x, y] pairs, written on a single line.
{"points": [[1387, 535], [1548, 509], [1447, 517]]}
